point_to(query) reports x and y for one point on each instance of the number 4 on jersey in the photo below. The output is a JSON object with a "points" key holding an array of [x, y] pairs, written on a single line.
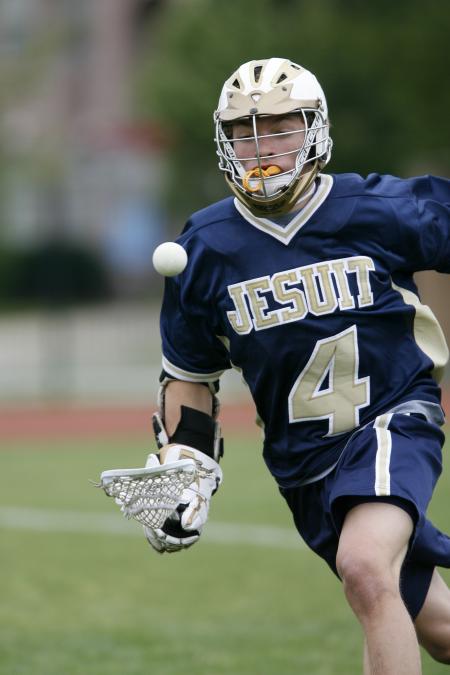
{"points": [[337, 358]]}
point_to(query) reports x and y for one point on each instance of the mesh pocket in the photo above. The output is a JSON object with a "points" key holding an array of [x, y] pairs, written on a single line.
{"points": [[150, 499]]}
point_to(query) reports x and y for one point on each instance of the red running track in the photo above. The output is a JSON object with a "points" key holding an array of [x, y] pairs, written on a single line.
{"points": [[56, 422]]}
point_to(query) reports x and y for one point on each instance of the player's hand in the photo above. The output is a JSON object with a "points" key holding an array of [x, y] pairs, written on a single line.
{"points": [[184, 526]]}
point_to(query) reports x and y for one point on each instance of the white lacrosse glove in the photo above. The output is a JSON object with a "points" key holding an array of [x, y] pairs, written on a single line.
{"points": [[184, 526]]}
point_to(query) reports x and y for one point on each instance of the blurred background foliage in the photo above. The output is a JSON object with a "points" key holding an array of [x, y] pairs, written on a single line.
{"points": [[383, 66], [106, 137], [107, 146]]}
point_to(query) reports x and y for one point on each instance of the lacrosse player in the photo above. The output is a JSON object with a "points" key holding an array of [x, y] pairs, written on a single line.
{"points": [[304, 282]]}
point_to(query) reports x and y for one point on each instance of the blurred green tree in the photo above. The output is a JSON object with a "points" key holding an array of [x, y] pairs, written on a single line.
{"points": [[383, 67]]}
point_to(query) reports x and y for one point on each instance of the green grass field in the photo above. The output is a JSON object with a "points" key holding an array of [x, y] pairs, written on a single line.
{"points": [[79, 598]]}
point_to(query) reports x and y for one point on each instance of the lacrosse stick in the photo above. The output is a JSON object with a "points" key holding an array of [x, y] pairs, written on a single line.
{"points": [[149, 495]]}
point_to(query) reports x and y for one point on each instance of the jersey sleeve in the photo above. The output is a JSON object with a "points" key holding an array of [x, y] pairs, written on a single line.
{"points": [[429, 232], [191, 350]]}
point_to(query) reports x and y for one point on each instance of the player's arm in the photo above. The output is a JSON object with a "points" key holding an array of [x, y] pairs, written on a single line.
{"points": [[190, 394], [186, 424], [430, 241], [186, 427]]}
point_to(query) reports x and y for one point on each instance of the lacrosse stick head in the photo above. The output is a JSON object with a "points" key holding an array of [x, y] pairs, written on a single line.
{"points": [[149, 495]]}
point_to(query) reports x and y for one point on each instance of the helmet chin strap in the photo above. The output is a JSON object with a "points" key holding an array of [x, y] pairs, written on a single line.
{"points": [[280, 204], [304, 198]]}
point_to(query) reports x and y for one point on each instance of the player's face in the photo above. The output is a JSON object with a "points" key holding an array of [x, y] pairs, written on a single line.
{"points": [[280, 137]]}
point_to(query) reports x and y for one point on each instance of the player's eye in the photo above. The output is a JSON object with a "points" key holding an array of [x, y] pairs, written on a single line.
{"points": [[284, 130]]}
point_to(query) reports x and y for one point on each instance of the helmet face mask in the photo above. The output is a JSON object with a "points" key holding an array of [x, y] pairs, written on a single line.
{"points": [[278, 105]]}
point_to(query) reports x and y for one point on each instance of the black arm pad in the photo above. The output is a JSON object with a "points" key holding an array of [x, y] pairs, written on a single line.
{"points": [[198, 430]]}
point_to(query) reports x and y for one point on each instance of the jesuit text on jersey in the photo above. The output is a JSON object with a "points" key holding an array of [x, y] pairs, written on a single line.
{"points": [[291, 294]]}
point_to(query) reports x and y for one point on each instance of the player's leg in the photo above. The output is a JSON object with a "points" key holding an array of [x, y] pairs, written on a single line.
{"points": [[433, 621], [366, 665], [372, 546]]}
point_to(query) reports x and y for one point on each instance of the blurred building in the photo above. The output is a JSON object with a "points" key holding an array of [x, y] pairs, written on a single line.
{"points": [[77, 166]]}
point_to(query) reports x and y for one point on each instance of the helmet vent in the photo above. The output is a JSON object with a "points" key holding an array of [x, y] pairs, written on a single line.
{"points": [[257, 73], [236, 84], [282, 77]]}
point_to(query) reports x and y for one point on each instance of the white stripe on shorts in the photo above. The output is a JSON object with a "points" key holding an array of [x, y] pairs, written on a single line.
{"points": [[383, 457]]}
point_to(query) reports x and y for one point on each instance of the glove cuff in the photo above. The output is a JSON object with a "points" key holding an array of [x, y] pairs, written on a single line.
{"points": [[176, 451]]}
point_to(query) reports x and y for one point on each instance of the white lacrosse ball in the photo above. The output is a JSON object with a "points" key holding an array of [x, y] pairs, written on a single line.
{"points": [[169, 259]]}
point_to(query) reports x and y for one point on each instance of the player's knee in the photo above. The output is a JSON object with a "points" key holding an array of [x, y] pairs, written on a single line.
{"points": [[437, 644], [367, 583], [442, 655], [439, 652]]}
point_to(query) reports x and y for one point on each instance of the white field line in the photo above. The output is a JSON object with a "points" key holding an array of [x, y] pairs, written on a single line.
{"points": [[47, 520]]}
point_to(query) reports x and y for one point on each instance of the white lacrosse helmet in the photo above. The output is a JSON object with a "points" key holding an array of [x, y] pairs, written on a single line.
{"points": [[270, 87]]}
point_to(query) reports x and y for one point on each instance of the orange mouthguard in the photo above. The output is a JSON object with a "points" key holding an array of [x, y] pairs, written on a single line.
{"points": [[256, 173]]}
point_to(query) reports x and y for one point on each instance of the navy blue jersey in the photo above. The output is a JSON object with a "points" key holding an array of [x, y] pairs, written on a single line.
{"points": [[321, 315]]}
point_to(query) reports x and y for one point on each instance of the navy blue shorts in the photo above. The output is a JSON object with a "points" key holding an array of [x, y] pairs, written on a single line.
{"points": [[395, 459]]}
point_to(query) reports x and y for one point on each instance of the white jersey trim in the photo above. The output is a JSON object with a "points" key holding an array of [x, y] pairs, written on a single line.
{"points": [[383, 457], [186, 376], [287, 232], [427, 332]]}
